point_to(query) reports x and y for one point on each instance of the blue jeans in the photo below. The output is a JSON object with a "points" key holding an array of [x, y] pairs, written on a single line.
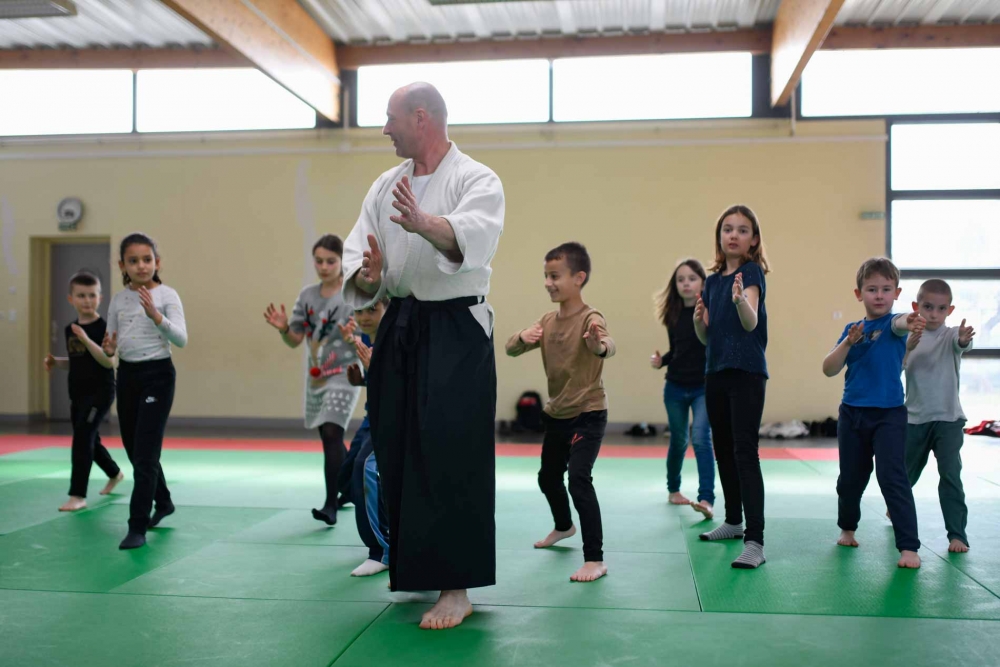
{"points": [[680, 402]]}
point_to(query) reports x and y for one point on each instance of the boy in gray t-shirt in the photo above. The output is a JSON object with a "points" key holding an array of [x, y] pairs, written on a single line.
{"points": [[935, 418]]}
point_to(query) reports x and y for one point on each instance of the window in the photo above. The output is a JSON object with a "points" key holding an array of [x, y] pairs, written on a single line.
{"points": [[944, 222], [945, 156], [900, 81], [206, 100], [37, 102], [497, 91], [702, 85], [942, 234]]}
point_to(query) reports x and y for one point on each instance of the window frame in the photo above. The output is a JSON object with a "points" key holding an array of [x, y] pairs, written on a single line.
{"points": [[937, 195]]}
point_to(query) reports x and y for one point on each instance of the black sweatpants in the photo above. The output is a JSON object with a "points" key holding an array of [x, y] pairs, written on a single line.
{"points": [[87, 413], [145, 396], [573, 444], [735, 403]]}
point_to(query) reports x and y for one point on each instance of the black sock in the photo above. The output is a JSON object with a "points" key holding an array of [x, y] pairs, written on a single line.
{"points": [[132, 541], [160, 514], [327, 516]]}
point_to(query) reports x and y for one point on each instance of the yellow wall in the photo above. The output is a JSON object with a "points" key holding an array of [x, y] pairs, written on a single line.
{"points": [[235, 218]]}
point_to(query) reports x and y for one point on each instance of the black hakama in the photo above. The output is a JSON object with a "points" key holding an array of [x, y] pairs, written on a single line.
{"points": [[432, 406]]}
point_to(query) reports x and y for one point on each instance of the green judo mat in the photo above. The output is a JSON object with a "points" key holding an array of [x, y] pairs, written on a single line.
{"points": [[242, 575]]}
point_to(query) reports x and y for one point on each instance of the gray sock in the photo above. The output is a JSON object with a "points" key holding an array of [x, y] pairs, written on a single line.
{"points": [[751, 558], [724, 532]]}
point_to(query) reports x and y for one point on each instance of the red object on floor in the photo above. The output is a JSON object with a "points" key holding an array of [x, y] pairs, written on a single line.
{"points": [[10, 444]]}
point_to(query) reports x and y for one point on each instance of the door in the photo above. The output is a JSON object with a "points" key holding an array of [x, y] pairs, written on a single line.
{"points": [[65, 260]]}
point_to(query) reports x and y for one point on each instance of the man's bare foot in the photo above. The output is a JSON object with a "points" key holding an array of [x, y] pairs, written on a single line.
{"points": [[73, 504], [909, 559], [112, 483], [957, 546], [847, 539], [555, 536], [678, 498], [591, 571], [704, 507], [451, 609], [368, 568]]}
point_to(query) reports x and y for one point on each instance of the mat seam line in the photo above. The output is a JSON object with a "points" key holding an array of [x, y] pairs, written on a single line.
{"points": [[697, 593], [359, 635]]}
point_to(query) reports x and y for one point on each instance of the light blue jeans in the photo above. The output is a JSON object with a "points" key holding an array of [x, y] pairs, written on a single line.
{"points": [[681, 402]]}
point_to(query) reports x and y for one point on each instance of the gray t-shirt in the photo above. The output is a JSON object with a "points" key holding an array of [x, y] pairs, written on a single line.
{"points": [[932, 377]]}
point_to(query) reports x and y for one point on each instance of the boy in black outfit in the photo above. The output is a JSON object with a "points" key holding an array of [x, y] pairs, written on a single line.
{"points": [[91, 389]]}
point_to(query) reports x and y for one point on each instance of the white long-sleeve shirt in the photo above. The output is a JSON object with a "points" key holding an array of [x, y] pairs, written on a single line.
{"points": [[464, 192], [139, 338]]}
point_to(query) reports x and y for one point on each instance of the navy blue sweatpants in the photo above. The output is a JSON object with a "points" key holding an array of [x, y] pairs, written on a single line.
{"points": [[863, 433]]}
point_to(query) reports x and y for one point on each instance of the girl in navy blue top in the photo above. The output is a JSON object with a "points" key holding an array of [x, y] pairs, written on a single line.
{"points": [[731, 319]]}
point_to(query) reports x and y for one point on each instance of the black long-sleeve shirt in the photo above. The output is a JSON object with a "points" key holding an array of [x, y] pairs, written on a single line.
{"points": [[685, 362]]}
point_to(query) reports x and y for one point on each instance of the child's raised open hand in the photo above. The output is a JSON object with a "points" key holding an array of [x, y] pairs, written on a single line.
{"points": [[965, 334], [656, 361], [912, 341], [364, 352], [856, 333], [347, 330], [79, 332], [738, 288], [532, 334], [110, 343], [276, 318], [592, 337], [701, 312], [146, 299], [354, 375]]}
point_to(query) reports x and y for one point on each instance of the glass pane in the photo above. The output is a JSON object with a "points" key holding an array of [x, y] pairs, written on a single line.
{"points": [[496, 91], [698, 85], [206, 100], [976, 301], [979, 389], [945, 157], [65, 102], [900, 81], [955, 234]]}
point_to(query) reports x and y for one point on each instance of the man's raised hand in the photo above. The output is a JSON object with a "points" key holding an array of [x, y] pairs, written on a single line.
{"points": [[371, 264]]}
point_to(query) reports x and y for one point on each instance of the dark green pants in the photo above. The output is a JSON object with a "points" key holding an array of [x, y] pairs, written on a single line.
{"points": [[945, 440]]}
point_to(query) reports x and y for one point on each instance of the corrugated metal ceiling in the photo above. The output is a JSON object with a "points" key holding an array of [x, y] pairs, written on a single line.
{"points": [[381, 21], [106, 23], [111, 23]]}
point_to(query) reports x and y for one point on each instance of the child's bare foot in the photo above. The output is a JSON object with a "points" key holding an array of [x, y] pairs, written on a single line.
{"points": [[451, 609], [957, 546], [704, 507], [555, 536], [909, 559], [591, 571], [677, 498], [73, 504], [112, 483], [847, 539], [368, 568]]}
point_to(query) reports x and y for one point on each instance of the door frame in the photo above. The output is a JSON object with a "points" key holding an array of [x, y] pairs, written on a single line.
{"points": [[40, 306]]}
